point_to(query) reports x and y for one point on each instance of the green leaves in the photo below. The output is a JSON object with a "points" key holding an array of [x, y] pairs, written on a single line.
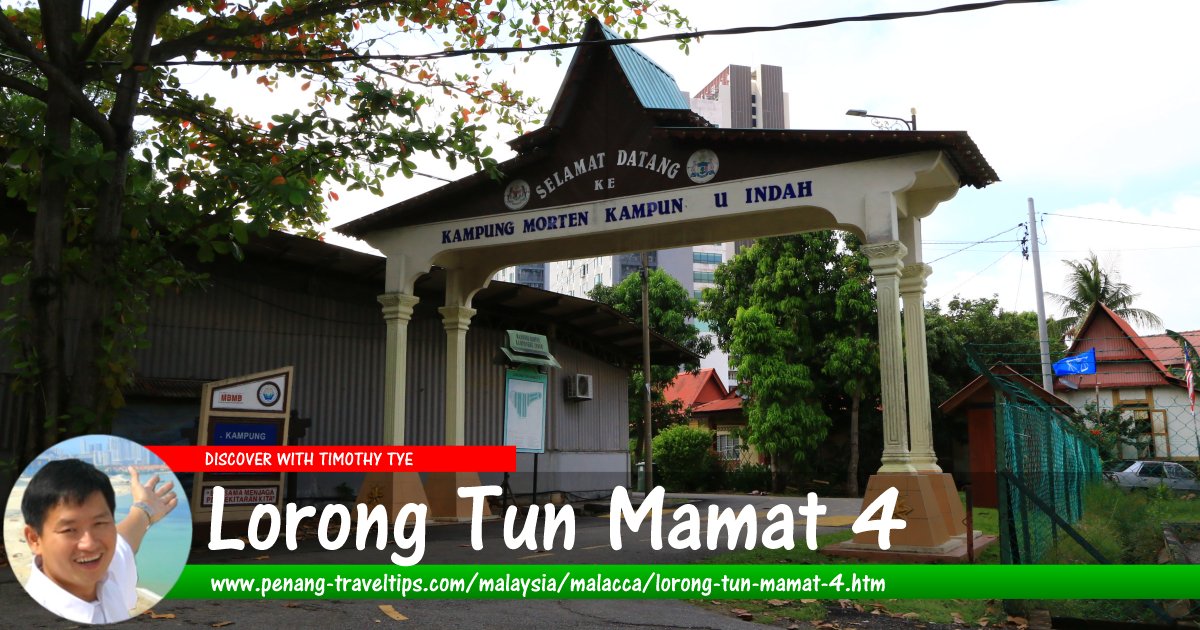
{"points": [[797, 315], [200, 176]]}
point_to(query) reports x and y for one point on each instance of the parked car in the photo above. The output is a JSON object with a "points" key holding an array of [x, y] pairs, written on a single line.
{"points": [[1140, 474]]}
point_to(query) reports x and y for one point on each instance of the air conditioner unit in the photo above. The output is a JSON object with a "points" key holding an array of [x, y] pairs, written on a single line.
{"points": [[579, 387]]}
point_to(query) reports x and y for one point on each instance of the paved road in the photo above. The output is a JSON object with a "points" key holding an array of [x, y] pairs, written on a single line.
{"points": [[449, 544]]}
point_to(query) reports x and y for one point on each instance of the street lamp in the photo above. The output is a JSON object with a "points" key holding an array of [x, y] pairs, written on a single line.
{"points": [[911, 124]]}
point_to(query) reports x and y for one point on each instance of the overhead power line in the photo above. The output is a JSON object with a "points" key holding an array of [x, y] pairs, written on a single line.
{"points": [[502, 50], [980, 242], [1155, 225]]}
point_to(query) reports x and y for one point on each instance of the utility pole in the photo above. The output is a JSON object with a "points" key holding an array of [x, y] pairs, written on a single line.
{"points": [[647, 421], [1043, 336]]}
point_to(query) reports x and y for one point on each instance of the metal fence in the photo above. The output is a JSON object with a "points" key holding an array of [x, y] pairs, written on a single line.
{"points": [[1044, 464], [1046, 459]]}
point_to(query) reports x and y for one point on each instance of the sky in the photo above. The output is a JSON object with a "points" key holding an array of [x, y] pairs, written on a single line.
{"points": [[1086, 106]]}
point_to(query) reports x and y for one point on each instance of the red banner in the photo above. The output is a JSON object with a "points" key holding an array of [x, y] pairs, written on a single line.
{"points": [[263, 459]]}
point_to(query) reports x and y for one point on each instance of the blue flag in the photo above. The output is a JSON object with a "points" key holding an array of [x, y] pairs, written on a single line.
{"points": [[1079, 364]]}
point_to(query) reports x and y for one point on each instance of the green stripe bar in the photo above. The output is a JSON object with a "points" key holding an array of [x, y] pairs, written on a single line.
{"points": [[317, 581]]}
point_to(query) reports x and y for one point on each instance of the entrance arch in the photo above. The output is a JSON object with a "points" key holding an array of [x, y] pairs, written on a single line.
{"points": [[622, 165]]}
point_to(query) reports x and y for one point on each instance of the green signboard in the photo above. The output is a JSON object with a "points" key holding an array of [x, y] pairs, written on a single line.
{"points": [[529, 349]]}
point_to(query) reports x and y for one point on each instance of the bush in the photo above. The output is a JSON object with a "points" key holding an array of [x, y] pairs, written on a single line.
{"points": [[684, 459], [750, 477]]}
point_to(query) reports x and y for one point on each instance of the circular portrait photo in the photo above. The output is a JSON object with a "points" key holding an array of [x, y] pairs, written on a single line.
{"points": [[97, 530]]}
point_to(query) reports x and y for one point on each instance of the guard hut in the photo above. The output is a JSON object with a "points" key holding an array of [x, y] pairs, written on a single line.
{"points": [[622, 165], [977, 403]]}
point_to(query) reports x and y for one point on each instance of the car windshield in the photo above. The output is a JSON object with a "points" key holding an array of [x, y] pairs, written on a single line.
{"points": [[1119, 466]]}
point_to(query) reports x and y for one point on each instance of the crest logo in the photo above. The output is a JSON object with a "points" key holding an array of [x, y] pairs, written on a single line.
{"points": [[268, 394], [702, 166], [516, 194]]}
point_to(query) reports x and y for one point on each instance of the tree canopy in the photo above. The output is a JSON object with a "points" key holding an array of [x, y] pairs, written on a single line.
{"points": [[797, 315], [1089, 283], [673, 315], [979, 325], [130, 170]]}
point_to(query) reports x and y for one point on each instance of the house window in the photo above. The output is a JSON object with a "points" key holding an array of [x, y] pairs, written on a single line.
{"points": [[702, 276], [1155, 422], [728, 447], [706, 258]]}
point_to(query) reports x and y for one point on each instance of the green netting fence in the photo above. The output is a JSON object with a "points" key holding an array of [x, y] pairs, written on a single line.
{"points": [[1044, 462]]}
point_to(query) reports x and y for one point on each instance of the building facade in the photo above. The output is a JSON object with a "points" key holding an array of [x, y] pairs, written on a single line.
{"points": [[740, 97], [1134, 374]]}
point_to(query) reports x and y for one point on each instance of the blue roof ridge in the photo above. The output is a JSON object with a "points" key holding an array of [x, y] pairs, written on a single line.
{"points": [[655, 87]]}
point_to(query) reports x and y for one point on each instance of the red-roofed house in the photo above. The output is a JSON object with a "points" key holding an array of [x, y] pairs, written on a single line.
{"points": [[1167, 350], [1132, 373], [717, 409], [696, 388]]}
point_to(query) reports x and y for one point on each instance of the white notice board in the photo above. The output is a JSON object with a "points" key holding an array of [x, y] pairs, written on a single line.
{"points": [[525, 410]]}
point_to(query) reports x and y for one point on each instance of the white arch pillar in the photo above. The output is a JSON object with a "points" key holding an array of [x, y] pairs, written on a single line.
{"points": [[886, 262], [397, 313], [442, 488], [394, 490], [457, 321], [920, 424]]}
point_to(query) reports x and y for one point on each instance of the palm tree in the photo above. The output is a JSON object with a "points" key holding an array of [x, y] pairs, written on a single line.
{"points": [[1089, 283]]}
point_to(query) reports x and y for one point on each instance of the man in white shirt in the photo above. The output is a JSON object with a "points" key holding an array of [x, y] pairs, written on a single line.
{"points": [[83, 567]]}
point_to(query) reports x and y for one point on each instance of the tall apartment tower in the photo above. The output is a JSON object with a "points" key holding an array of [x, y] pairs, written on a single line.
{"points": [[536, 275], [744, 98]]}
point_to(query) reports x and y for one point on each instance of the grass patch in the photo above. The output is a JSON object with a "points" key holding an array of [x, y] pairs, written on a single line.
{"points": [[1126, 528]]}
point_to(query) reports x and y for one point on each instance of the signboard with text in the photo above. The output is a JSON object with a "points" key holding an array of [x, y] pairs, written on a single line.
{"points": [[250, 410], [525, 400]]}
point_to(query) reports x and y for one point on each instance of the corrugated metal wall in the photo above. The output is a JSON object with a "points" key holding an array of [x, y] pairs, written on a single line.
{"points": [[600, 424], [337, 347], [240, 326], [425, 402]]}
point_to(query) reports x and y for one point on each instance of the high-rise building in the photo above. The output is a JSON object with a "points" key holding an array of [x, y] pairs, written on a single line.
{"points": [[740, 97], [531, 275], [579, 276]]}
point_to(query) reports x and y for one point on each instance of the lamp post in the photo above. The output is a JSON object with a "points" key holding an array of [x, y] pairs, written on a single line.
{"points": [[910, 123]]}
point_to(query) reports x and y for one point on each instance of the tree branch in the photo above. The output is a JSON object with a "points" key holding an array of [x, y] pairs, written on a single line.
{"points": [[24, 87], [83, 109], [207, 38], [101, 27]]}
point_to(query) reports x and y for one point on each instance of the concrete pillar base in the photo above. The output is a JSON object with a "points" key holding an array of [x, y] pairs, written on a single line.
{"points": [[929, 505], [444, 502], [392, 490]]}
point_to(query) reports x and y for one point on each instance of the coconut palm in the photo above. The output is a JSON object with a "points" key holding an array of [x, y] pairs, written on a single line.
{"points": [[1089, 283]]}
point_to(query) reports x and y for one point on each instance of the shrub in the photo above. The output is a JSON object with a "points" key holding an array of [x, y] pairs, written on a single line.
{"points": [[684, 458], [750, 477]]}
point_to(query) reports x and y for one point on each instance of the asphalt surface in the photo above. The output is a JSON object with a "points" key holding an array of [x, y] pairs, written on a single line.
{"points": [[448, 544]]}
